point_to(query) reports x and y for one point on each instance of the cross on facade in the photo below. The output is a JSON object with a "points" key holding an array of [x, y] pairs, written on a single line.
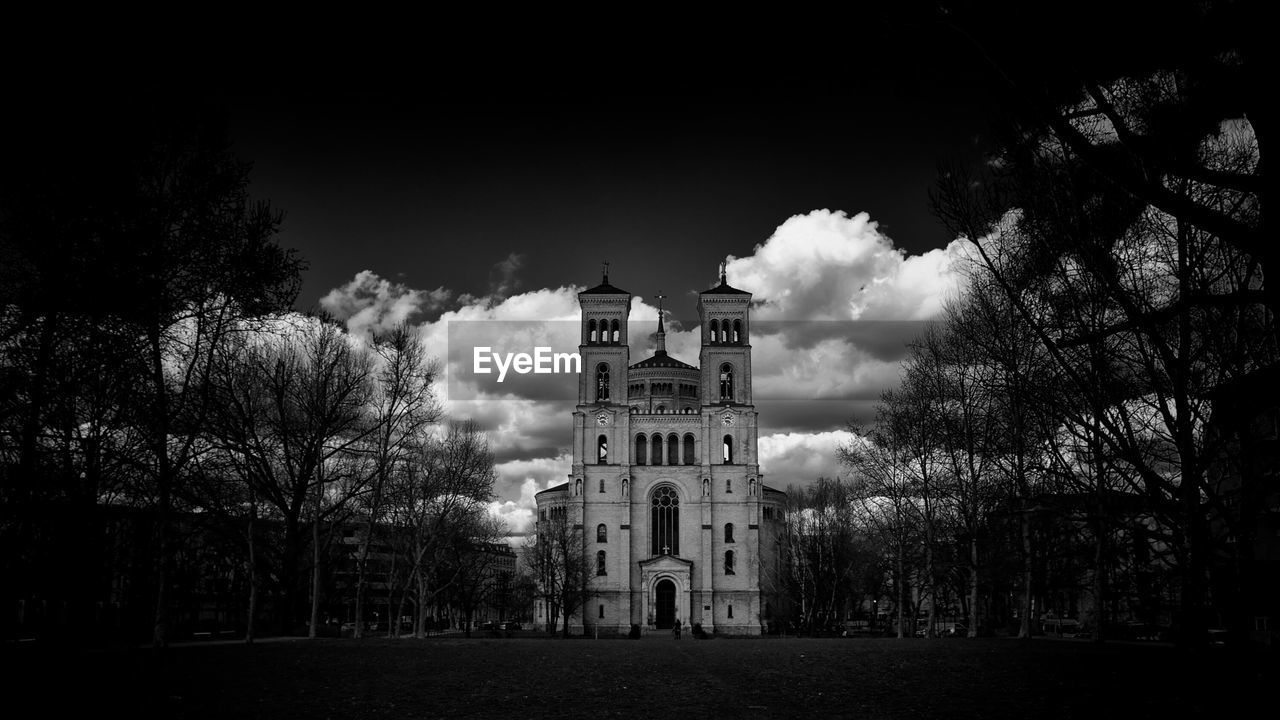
{"points": [[666, 549]]}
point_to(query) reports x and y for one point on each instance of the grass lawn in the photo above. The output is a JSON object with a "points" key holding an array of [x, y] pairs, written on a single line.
{"points": [[534, 677]]}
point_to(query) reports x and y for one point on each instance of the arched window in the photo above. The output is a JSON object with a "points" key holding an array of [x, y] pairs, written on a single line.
{"points": [[673, 449], [737, 332], [656, 448], [600, 563], [688, 449], [602, 453], [728, 485], [715, 331], [615, 335], [601, 484], [664, 518], [660, 409], [642, 450], [728, 562], [726, 450], [602, 382], [591, 327], [601, 611], [728, 532], [602, 533], [726, 382]]}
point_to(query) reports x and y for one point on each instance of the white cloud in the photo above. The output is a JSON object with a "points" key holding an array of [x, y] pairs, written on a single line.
{"points": [[526, 478], [801, 458], [371, 304], [828, 266], [820, 266], [829, 369]]}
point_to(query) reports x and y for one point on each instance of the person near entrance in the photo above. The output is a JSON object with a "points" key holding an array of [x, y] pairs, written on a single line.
{"points": [[675, 628]]}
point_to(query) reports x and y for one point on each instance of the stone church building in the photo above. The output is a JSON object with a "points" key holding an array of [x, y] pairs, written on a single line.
{"points": [[665, 484]]}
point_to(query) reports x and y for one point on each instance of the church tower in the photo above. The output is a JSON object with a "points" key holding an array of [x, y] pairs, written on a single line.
{"points": [[665, 491], [725, 360], [602, 385]]}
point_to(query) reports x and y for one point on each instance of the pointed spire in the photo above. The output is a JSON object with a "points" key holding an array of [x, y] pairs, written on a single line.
{"points": [[604, 272], [662, 334]]}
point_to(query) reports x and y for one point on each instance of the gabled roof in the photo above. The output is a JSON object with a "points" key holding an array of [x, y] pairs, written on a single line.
{"points": [[661, 359], [604, 288], [724, 288]]}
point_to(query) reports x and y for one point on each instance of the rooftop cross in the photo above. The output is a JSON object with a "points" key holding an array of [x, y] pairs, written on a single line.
{"points": [[662, 344], [722, 277], [604, 270]]}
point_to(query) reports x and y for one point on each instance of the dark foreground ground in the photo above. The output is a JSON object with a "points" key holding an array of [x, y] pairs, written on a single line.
{"points": [[653, 677]]}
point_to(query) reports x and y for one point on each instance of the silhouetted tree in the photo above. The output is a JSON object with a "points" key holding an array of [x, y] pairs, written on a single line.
{"points": [[130, 245]]}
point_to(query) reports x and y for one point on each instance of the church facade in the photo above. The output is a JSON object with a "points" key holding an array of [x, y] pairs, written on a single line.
{"points": [[665, 486]]}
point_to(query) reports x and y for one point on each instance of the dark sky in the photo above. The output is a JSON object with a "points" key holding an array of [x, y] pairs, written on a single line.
{"points": [[429, 150], [431, 175]]}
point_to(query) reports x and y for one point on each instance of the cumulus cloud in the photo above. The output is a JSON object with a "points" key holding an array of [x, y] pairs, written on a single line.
{"points": [[800, 458], [371, 304], [828, 266], [831, 369], [836, 305], [522, 479]]}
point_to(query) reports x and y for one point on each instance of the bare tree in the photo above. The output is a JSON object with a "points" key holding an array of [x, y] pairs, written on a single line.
{"points": [[472, 560], [292, 412], [403, 407], [887, 506], [145, 234], [433, 505], [1127, 302], [827, 553], [557, 559]]}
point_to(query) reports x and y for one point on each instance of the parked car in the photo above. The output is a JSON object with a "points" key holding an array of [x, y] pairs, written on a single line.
{"points": [[942, 629], [1062, 627]]}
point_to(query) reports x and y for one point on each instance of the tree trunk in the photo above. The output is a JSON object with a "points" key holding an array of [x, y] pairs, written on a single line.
{"points": [[1100, 578], [164, 498], [930, 590], [360, 581], [421, 619], [1028, 597], [901, 589], [973, 587], [315, 565], [253, 579]]}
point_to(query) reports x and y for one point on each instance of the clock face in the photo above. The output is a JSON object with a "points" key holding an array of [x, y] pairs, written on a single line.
{"points": [[602, 419], [727, 419]]}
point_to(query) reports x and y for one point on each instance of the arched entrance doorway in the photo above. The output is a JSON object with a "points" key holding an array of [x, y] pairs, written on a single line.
{"points": [[665, 599]]}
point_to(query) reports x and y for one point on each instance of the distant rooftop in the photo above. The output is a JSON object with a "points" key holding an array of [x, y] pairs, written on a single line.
{"points": [[661, 359]]}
